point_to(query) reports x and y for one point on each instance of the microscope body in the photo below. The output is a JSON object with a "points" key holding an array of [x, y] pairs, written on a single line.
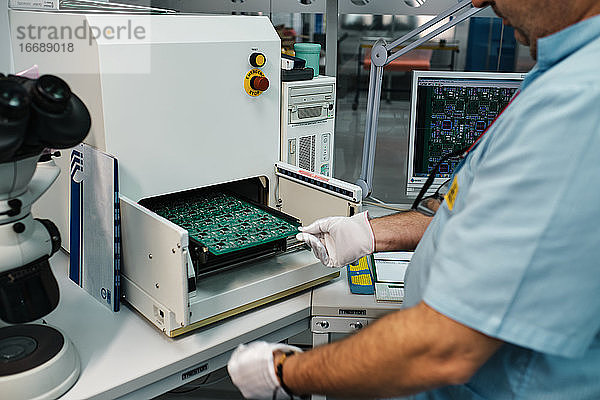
{"points": [[27, 286], [37, 361], [34, 115]]}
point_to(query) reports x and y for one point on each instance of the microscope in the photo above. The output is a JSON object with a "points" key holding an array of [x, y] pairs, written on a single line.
{"points": [[36, 360]]}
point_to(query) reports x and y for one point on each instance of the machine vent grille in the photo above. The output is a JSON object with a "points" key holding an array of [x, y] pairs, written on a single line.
{"points": [[306, 156], [309, 112]]}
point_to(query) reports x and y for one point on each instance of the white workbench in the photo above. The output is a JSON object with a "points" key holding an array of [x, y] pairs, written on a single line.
{"points": [[123, 356], [335, 310]]}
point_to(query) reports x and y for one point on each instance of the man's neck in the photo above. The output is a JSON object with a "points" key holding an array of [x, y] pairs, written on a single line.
{"points": [[592, 10]]}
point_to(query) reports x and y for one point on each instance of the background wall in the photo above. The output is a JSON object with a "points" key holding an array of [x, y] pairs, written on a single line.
{"points": [[5, 56]]}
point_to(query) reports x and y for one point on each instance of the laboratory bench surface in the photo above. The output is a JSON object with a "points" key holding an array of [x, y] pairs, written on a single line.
{"points": [[124, 356]]}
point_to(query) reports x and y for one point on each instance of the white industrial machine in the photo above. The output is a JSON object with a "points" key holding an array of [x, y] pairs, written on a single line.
{"points": [[190, 107], [307, 124]]}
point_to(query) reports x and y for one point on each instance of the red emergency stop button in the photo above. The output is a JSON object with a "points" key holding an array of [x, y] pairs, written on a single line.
{"points": [[259, 83]]}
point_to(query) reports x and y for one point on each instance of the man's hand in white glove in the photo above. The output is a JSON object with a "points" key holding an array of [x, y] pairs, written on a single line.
{"points": [[252, 371], [338, 241]]}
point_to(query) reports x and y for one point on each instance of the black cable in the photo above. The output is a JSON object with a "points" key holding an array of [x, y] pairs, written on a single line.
{"points": [[433, 173]]}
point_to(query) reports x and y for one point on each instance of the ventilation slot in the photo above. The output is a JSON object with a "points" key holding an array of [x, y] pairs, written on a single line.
{"points": [[306, 155]]}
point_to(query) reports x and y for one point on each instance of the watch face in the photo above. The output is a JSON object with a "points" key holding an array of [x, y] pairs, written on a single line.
{"points": [[415, 3], [429, 206], [443, 189]]}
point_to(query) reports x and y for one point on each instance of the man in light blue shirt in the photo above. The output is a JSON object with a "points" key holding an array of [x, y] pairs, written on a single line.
{"points": [[503, 291]]}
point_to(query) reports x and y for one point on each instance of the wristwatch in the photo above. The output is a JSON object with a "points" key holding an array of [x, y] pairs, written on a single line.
{"points": [[429, 205]]}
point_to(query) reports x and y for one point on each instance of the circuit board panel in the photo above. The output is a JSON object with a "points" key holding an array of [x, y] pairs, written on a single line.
{"points": [[453, 118], [224, 223]]}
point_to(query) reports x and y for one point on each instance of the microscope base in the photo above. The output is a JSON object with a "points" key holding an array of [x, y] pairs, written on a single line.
{"points": [[38, 362]]}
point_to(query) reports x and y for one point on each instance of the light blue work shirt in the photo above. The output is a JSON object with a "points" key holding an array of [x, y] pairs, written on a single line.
{"points": [[518, 256]]}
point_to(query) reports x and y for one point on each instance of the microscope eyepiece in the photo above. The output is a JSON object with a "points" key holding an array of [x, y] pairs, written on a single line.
{"points": [[51, 94], [14, 101], [37, 114], [14, 114]]}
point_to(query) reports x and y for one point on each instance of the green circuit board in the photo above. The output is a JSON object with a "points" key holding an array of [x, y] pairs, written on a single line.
{"points": [[224, 223]]}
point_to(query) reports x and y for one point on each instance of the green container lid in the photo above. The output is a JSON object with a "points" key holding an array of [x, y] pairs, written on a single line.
{"points": [[307, 47], [310, 52]]}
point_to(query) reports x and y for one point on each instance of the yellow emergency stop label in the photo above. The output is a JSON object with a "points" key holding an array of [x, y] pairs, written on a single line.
{"points": [[452, 193], [252, 73]]}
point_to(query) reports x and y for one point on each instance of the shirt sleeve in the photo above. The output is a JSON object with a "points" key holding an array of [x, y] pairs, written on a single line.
{"points": [[519, 256]]}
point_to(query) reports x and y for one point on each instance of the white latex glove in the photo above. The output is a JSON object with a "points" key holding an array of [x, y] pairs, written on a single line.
{"points": [[338, 241], [252, 371]]}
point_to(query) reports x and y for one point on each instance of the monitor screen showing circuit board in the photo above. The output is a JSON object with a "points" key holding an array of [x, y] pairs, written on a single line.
{"points": [[449, 111]]}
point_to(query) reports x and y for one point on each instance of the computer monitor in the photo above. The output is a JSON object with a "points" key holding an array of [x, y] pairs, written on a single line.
{"points": [[449, 111]]}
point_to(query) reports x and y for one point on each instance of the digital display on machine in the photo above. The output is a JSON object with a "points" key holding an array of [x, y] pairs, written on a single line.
{"points": [[451, 113]]}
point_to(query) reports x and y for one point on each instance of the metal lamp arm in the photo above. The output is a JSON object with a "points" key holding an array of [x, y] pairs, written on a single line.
{"points": [[445, 14], [380, 57]]}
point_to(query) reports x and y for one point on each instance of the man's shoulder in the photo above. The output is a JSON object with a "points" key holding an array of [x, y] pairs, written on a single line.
{"points": [[574, 80], [579, 69]]}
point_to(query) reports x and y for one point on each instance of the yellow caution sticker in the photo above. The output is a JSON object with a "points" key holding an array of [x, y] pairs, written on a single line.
{"points": [[451, 195]]}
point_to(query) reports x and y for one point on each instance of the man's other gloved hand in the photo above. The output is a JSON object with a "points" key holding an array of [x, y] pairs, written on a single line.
{"points": [[252, 371], [338, 241]]}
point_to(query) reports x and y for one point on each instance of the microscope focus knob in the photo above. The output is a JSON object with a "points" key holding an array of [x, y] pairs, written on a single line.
{"points": [[53, 232], [259, 83], [19, 227], [257, 60]]}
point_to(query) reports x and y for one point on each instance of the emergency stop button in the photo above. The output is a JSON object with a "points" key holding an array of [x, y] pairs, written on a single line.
{"points": [[255, 82], [259, 83], [257, 60]]}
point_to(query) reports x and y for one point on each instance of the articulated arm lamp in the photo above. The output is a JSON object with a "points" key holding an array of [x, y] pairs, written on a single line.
{"points": [[381, 55]]}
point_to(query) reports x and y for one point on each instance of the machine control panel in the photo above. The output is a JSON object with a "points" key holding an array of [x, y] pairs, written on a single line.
{"points": [[325, 148], [255, 81]]}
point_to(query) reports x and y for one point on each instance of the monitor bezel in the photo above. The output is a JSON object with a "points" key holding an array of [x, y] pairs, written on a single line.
{"points": [[413, 182]]}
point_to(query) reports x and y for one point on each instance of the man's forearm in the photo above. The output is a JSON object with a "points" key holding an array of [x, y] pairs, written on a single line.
{"points": [[400, 231], [406, 352]]}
